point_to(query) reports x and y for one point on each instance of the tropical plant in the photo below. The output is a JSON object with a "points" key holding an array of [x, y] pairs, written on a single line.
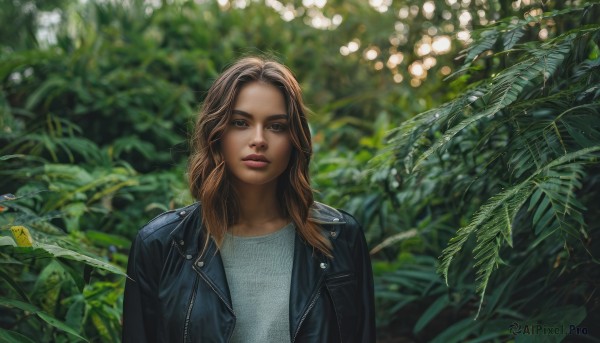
{"points": [[51, 278], [519, 150], [93, 145]]}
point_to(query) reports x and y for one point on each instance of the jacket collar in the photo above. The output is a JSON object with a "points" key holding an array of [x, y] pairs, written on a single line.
{"points": [[324, 214], [187, 233]]}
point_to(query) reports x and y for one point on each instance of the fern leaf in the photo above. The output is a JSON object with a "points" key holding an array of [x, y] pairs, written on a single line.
{"points": [[402, 140], [559, 207], [512, 37], [485, 214], [581, 155], [492, 234], [505, 89], [486, 43]]}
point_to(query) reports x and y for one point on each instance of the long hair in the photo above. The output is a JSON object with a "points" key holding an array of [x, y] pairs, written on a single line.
{"points": [[207, 172]]}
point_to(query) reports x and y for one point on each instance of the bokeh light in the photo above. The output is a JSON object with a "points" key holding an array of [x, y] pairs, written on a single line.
{"points": [[441, 44], [371, 54]]}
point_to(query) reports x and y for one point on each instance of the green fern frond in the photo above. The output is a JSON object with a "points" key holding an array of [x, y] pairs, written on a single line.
{"points": [[486, 42], [587, 154], [403, 140], [493, 220], [548, 129], [487, 260], [558, 207], [515, 196], [509, 31], [505, 89], [492, 235], [586, 67], [512, 36]]}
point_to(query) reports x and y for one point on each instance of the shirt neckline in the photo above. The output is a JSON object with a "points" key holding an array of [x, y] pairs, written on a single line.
{"points": [[261, 238]]}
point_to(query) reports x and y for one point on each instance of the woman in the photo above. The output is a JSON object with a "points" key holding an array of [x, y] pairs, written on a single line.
{"points": [[256, 259]]}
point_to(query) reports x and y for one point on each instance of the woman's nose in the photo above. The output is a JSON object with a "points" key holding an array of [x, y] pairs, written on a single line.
{"points": [[258, 138]]}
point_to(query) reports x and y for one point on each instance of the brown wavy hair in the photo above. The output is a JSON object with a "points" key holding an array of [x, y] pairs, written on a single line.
{"points": [[209, 179]]}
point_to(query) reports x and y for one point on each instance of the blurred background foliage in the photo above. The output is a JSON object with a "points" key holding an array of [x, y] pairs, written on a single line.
{"points": [[461, 129]]}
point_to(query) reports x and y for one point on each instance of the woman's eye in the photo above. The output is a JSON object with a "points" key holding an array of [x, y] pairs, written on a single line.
{"points": [[277, 127], [238, 123]]}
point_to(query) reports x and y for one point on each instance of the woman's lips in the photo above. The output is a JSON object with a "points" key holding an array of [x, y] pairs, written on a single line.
{"points": [[256, 157], [255, 164], [255, 161]]}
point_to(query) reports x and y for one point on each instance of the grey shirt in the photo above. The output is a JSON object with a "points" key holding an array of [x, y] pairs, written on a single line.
{"points": [[259, 273]]}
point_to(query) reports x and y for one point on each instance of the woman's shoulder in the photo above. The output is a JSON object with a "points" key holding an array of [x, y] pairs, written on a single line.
{"points": [[161, 226], [327, 214], [335, 220]]}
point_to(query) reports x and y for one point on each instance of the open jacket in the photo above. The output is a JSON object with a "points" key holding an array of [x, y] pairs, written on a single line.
{"points": [[175, 295]]}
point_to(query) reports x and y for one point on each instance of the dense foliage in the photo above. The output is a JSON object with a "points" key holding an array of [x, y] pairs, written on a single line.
{"points": [[502, 161]]}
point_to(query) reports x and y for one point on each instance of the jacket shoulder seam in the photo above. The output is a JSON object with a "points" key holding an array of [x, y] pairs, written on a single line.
{"points": [[333, 209], [152, 227]]}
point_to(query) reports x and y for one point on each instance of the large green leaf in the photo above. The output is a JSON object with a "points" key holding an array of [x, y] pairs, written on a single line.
{"points": [[7, 241], [44, 316], [7, 336], [57, 251], [48, 285]]}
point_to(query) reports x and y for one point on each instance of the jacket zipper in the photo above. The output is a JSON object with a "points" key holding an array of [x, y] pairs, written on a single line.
{"points": [[189, 311], [312, 304]]}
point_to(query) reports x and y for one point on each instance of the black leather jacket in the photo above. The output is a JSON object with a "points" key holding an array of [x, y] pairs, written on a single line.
{"points": [[175, 295]]}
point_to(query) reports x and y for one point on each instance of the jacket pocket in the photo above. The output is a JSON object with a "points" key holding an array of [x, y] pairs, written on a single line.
{"points": [[342, 289]]}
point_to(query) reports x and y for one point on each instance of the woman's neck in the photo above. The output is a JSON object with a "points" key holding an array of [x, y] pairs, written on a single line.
{"points": [[260, 211]]}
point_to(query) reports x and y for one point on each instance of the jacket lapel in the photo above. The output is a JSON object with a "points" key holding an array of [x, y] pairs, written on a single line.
{"points": [[310, 266], [211, 269], [188, 237], [308, 272]]}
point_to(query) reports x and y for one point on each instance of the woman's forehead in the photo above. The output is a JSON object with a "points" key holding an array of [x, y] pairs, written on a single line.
{"points": [[260, 98]]}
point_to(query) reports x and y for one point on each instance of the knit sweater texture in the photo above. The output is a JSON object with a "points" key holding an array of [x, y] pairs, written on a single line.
{"points": [[259, 272]]}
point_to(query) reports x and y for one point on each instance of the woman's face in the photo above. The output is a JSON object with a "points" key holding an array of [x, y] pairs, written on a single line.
{"points": [[256, 144]]}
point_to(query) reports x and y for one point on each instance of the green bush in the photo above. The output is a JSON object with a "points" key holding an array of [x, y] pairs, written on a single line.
{"points": [[93, 145]]}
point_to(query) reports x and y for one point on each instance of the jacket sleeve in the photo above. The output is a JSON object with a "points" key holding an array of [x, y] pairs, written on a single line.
{"points": [[139, 303], [364, 273]]}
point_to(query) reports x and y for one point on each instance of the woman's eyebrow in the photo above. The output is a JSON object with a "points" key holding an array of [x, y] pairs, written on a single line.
{"points": [[250, 116]]}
